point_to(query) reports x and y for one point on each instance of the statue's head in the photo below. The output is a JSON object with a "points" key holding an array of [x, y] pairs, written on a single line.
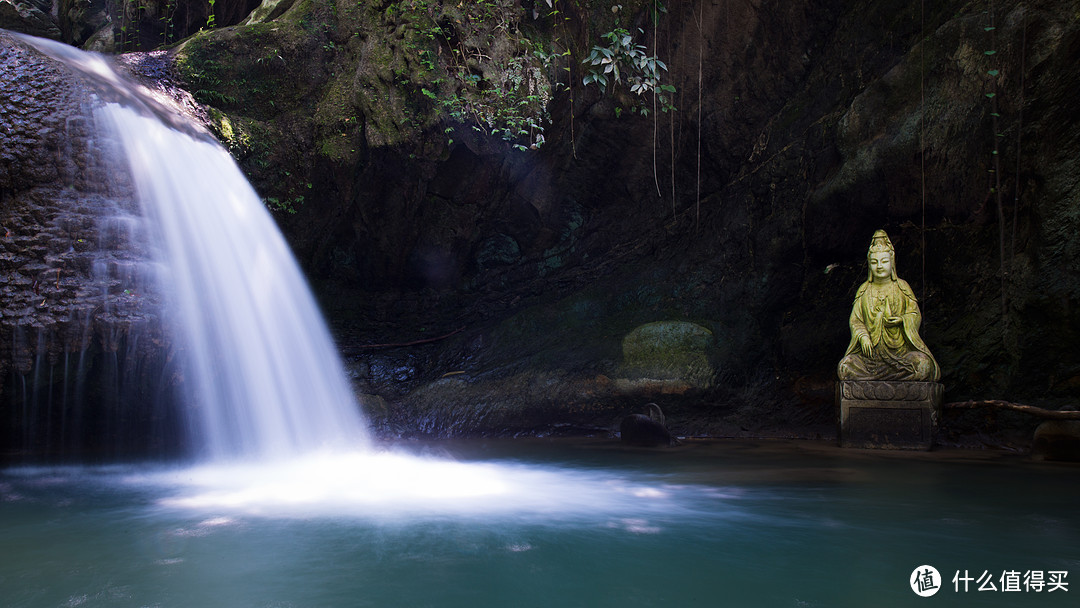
{"points": [[881, 258]]}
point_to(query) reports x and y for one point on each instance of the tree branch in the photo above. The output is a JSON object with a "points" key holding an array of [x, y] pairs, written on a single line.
{"points": [[1027, 409], [356, 349]]}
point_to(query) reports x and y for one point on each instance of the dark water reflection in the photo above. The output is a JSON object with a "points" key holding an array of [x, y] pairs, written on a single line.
{"points": [[707, 524]]}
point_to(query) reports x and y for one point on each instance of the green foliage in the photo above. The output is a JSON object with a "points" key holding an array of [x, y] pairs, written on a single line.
{"points": [[294, 188], [621, 61], [477, 68], [131, 14], [288, 205], [204, 74], [130, 24]]}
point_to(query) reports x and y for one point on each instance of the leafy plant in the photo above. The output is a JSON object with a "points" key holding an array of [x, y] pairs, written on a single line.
{"points": [[469, 72], [619, 61], [288, 205], [622, 61]]}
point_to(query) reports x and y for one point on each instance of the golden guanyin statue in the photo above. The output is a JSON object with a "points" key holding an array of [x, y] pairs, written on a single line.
{"points": [[885, 320]]}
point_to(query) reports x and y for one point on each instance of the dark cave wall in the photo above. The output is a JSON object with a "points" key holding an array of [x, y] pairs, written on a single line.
{"points": [[803, 128]]}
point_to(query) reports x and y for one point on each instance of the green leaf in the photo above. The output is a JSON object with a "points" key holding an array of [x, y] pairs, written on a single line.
{"points": [[991, 95], [989, 52], [994, 72]]}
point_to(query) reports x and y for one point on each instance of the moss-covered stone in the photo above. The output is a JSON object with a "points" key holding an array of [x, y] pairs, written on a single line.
{"points": [[670, 350]]}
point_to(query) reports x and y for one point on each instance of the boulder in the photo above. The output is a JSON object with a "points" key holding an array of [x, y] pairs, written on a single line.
{"points": [[29, 17], [1057, 440], [645, 430], [668, 355]]}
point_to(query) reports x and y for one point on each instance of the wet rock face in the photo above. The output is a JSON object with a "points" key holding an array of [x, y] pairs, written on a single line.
{"points": [[79, 320], [30, 17], [31, 119]]}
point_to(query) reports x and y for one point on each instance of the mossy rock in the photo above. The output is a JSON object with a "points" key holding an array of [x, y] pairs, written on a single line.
{"points": [[670, 350]]}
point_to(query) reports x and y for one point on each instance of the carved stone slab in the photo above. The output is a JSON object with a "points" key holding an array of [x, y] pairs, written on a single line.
{"points": [[888, 415]]}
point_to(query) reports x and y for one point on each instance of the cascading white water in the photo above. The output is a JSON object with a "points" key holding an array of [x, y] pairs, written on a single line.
{"points": [[273, 412], [266, 380], [263, 376]]}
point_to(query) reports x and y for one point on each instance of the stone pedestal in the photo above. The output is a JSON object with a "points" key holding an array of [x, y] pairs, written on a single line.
{"points": [[888, 415]]}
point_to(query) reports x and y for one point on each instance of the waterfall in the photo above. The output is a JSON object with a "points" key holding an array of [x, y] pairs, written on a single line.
{"points": [[265, 378], [261, 374], [270, 410]]}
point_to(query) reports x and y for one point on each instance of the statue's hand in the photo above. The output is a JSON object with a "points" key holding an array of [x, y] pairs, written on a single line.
{"points": [[893, 320], [866, 347]]}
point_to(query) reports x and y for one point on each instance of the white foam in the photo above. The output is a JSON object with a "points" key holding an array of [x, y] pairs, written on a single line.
{"points": [[391, 485]]}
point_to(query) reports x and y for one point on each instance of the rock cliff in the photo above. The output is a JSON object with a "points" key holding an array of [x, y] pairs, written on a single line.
{"points": [[484, 230]]}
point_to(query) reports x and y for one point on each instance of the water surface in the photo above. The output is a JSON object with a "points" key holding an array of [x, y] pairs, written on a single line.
{"points": [[541, 523]]}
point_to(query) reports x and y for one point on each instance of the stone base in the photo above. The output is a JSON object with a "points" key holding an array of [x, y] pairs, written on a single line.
{"points": [[888, 415]]}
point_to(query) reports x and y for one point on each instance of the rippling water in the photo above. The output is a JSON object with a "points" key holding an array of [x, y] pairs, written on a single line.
{"points": [[539, 524]]}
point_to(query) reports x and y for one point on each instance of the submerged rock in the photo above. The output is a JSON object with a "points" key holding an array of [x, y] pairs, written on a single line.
{"points": [[645, 430], [1057, 440]]}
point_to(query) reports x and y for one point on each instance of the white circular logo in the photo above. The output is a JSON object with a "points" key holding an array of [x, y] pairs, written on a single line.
{"points": [[925, 581]]}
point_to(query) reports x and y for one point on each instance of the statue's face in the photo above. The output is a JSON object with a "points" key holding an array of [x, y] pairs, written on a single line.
{"points": [[880, 265]]}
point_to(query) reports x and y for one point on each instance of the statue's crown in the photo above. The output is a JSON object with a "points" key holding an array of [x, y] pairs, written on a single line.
{"points": [[880, 242]]}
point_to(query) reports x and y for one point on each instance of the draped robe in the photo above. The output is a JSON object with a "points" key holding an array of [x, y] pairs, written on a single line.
{"points": [[898, 351]]}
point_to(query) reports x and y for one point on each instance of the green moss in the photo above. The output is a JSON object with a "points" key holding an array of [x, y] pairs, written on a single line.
{"points": [[338, 120], [669, 350]]}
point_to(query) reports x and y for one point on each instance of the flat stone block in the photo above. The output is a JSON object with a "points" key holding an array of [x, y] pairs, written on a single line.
{"points": [[888, 415]]}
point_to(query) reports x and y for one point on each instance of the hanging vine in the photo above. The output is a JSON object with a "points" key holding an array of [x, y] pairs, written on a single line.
{"points": [[995, 171]]}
